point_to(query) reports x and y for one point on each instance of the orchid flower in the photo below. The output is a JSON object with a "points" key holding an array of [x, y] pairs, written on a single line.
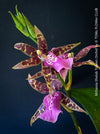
{"points": [[50, 107], [49, 73], [65, 62]]}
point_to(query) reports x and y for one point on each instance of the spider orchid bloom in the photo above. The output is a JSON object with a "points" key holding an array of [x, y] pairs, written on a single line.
{"points": [[59, 63], [50, 108], [65, 62]]}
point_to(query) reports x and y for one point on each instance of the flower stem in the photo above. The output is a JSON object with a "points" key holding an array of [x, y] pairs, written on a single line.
{"points": [[68, 92], [76, 123], [67, 86]]}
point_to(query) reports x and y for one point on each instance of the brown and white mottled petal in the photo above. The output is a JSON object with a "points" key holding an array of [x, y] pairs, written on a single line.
{"points": [[89, 62], [26, 49], [84, 52], [37, 85], [39, 111], [42, 45], [64, 49], [27, 63], [69, 104]]}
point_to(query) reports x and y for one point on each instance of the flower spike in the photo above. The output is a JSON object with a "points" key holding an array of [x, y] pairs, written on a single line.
{"points": [[23, 25]]}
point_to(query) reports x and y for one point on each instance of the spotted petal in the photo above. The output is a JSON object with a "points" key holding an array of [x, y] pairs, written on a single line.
{"points": [[53, 83], [84, 52], [89, 62], [26, 49], [37, 85], [64, 49], [37, 75], [68, 104], [52, 103], [39, 111], [27, 63], [42, 45]]}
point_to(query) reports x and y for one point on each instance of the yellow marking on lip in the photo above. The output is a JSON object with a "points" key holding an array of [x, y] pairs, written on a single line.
{"points": [[70, 55]]}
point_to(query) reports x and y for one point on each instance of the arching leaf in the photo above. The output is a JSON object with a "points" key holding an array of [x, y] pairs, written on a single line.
{"points": [[90, 102]]}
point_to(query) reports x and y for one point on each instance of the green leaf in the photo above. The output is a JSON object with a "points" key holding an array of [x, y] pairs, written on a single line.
{"points": [[90, 102]]}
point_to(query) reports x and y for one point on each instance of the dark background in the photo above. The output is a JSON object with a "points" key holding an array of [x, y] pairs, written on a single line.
{"points": [[62, 22]]}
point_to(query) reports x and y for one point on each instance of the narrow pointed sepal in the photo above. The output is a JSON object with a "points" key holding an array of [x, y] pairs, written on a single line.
{"points": [[42, 45], [35, 76], [39, 111], [84, 52], [64, 49], [69, 104], [89, 62], [26, 49], [37, 85], [27, 63]]}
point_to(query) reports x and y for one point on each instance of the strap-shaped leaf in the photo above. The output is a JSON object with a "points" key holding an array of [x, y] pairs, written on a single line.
{"points": [[37, 85], [84, 52], [68, 104], [42, 45], [89, 62], [27, 63], [39, 111], [92, 104], [64, 49], [26, 49]]}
